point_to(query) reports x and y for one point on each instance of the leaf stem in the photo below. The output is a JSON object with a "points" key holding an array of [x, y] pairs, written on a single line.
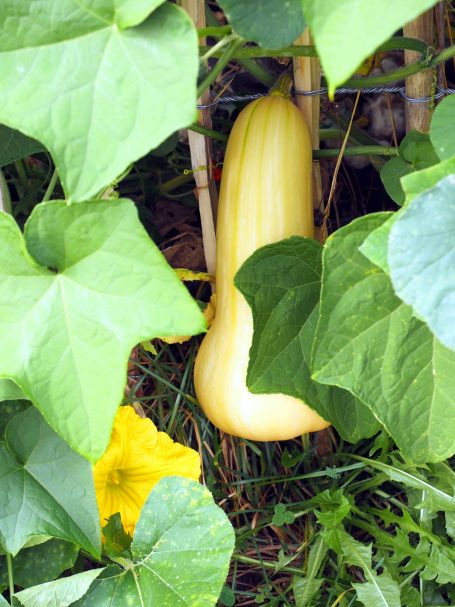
{"points": [[219, 66], [250, 561], [5, 197], [214, 31], [9, 562], [51, 186], [361, 150], [203, 130], [218, 46]]}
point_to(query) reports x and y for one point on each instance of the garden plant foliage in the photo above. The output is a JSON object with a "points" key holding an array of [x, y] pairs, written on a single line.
{"points": [[361, 328]]}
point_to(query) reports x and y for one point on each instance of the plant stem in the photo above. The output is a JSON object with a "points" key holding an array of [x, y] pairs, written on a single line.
{"points": [[203, 130], [361, 150], [249, 561], [51, 186], [218, 46], [214, 31], [175, 182], [5, 197], [219, 66], [308, 50], [9, 562]]}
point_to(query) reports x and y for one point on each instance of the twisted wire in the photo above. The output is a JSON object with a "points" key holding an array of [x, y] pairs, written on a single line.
{"points": [[375, 90]]}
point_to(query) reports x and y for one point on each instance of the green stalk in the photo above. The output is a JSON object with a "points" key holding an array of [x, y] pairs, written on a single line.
{"points": [[51, 186], [203, 130], [5, 197], [219, 66], [361, 150], [9, 563], [214, 31], [249, 561]]}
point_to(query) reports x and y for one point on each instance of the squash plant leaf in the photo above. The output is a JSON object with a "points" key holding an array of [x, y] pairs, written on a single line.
{"points": [[417, 182], [40, 564], [181, 550], [83, 286], [269, 23], [415, 153], [347, 31], [97, 92], [9, 390], [441, 128], [62, 592], [285, 313], [45, 487], [383, 355], [421, 256], [15, 145]]}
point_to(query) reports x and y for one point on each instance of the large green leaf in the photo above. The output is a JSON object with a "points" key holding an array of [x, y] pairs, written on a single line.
{"points": [[369, 342], [421, 256], [181, 550], [9, 390], [61, 593], [45, 487], [347, 31], [441, 131], [97, 92], [415, 183], [14, 145], [285, 313], [8, 410], [78, 292], [40, 564], [269, 23]]}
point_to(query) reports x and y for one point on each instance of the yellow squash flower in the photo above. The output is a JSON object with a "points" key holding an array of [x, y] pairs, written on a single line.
{"points": [[138, 456]]}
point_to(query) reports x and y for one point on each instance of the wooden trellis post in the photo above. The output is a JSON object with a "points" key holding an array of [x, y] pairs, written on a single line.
{"points": [[201, 157]]}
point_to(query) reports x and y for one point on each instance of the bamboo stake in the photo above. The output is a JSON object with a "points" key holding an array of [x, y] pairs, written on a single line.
{"points": [[420, 85], [201, 157], [307, 77]]}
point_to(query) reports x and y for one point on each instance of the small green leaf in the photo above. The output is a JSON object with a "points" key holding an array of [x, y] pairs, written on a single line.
{"points": [[347, 31], [384, 355], [285, 313], [442, 121], [106, 92], [227, 597], [416, 153], [421, 257], [282, 516], [45, 488], [83, 286], [40, 564], [15, 145], [269, 23], [62, 592], [306, 589], [181, 549], [117, 542], [334, 507]]}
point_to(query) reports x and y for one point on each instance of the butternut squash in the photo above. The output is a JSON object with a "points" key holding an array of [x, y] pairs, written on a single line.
{"points": [[265, 196]]}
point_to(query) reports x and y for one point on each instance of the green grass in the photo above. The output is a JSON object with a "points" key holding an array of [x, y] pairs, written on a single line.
{"points": [[248, 480]]}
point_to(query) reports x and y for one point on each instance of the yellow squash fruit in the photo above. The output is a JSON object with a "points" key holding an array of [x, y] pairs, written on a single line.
{"points": [[265, 196]]}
